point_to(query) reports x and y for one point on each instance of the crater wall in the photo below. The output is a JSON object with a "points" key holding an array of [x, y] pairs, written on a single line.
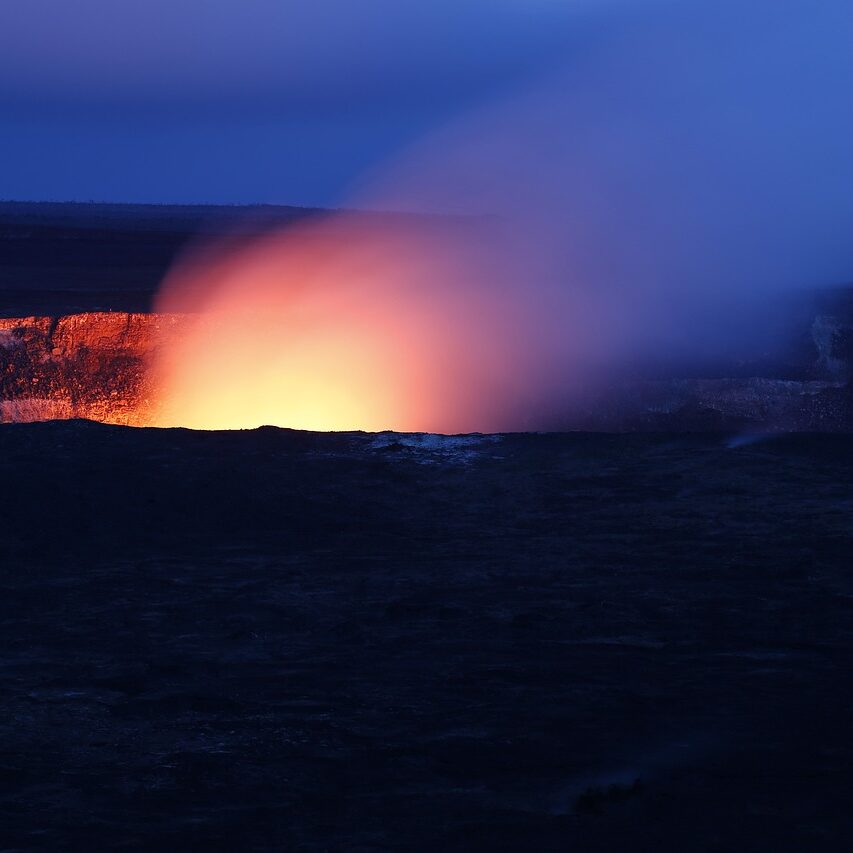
{"points": [[93, 365]]}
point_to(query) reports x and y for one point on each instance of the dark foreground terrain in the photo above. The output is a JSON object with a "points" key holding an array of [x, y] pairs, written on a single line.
{"points": [[285, 641]]}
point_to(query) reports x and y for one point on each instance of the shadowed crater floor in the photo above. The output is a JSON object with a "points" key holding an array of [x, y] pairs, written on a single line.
{"points": [[272, 640]]}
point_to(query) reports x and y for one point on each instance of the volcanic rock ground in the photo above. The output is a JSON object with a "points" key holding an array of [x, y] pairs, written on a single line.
{"points": [[272, 640]]}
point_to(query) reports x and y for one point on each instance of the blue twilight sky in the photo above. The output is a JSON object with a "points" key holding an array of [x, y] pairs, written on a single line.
{"points": [[236, 101], [294, 101]]}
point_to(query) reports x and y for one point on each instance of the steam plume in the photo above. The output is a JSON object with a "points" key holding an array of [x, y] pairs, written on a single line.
{"points": [[657, 199]]}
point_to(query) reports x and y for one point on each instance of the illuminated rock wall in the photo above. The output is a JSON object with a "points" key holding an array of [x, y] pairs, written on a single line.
{"points": [[81, 366]]}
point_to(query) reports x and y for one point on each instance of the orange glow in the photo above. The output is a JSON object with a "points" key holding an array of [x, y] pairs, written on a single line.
{"points": [[341, 325]]}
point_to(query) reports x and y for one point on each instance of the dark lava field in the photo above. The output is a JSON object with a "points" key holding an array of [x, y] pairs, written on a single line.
{"points": [[272, 640]]}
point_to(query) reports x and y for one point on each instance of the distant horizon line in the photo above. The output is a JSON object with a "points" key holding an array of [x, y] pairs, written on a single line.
{"points": [[94, 202], [218, 206]]}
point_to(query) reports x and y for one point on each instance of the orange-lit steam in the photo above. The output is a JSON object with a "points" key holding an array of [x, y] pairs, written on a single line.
{"points": [[352, 322]]}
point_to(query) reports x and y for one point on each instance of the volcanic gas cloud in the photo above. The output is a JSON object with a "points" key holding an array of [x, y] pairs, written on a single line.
{"points": [[648, 203], [354, 322]]}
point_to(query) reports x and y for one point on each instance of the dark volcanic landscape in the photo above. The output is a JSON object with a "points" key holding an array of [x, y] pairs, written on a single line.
{"points": [[273, 640], [493, 493]]}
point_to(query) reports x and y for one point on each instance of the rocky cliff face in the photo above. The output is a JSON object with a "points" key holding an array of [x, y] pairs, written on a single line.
{"points": [[89, 365], [93, 365], [752, 404]]}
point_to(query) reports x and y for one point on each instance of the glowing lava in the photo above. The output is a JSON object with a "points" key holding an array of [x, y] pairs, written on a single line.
{"points": [[340, 325]]}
